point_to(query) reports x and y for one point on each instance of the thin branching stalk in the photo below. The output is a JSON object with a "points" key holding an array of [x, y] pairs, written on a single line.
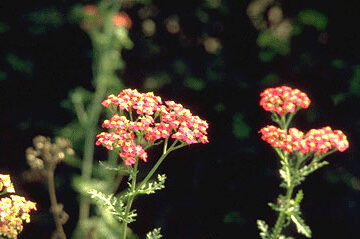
{"points": [[54, 203], [135, 189], [131, 197]]}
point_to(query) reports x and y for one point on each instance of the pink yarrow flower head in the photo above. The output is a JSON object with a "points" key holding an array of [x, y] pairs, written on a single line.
{"points": [[318, 141], [141, 119], [283, 99]]}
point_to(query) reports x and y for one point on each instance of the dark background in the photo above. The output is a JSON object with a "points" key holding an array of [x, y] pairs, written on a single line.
{"points": [[213, 191]]}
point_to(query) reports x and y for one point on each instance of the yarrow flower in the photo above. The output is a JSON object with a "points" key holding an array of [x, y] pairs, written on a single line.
{"points": [[318, 141], [92, 17], [122, 20], [6, 185], [153, 121], [283, 99], [300, 154], [13, 210]]}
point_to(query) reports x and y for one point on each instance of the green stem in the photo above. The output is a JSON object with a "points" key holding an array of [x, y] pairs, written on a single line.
{"points": [[135, 190], [131, 197], [94, 115], [287, 122], [160, 160], [282, 215]]}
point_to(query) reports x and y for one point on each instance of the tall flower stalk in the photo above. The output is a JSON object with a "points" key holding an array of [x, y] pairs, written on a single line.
{"points": [[107, 29], [300, 154], [141, 121]]}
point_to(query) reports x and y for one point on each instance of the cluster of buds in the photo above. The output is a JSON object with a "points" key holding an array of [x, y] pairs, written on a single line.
{"points": [[318, 141], [152, 120], [283, 99], [45, 154], [92, 17], [13, 210]]}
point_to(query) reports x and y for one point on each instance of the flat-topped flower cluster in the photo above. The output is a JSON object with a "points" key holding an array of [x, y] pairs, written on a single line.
{"points": [[283, 101], [143, 116], [13, 210], [319, 141]]}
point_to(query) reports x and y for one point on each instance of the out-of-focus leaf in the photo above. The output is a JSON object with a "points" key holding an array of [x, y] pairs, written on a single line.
{"points": [[74, 132], [234, 217], [355, 81], [267, 39], [2, 75], [266, 55], [44, 19], [84, 187], [202, 16], [180, 67], [156, 81], [241, 129], [339, 64], [212, 4], [270, 79], [3, 27], [219, 107], [47, 16], [338, 98], [18, 64], [313, 18], [194, 83]]}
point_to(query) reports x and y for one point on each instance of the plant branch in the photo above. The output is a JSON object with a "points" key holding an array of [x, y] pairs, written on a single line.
{"points": [[54, 204], [131, 197]]}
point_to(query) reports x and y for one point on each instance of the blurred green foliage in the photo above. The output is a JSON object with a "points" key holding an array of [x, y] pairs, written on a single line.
{"points": [[268, 39], [157, 81], [2, 75], [355, 81], [3, 27], [234, 217], [313, 18], [20, 65], [241, 129], [194, 83], [338, 63]]}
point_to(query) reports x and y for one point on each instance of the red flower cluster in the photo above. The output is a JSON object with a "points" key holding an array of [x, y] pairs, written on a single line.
{"points": [[143, 103], [153, 121], [122, 20], [319, 141], [283, 100], [92, 17]]}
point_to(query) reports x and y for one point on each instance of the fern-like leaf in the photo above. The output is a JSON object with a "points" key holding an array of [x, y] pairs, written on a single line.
{"points": [[264, 229], [299, 197], [154, 186], [308, 169], [301, 227], [114, 205], [154, 234], [106, 166]]}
